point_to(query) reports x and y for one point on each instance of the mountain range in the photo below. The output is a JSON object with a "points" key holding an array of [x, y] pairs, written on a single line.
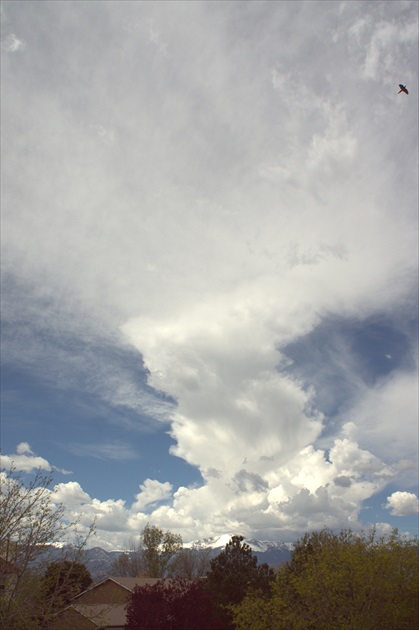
{"points": [[99, 561]]}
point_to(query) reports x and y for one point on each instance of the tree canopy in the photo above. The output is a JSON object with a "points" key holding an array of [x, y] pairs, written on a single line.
{"points": [[191, 563], [151, 555], [343, 581], [63, 580], [176, 604], [159, 548], [130, 562], [235, 572]]}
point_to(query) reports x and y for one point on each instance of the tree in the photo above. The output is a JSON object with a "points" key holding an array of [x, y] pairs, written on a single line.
{"points": [[29, 522], [340, 581], [172, 605], [235, 572], [191, 563], [151, 555], [63, 580], [130, 562], [158, 549], [258, 613]]}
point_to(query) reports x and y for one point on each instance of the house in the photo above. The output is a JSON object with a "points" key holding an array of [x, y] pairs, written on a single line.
{"points": [[102, 606]]}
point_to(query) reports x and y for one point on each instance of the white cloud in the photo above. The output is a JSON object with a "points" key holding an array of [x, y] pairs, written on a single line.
{"points": [[386, 38], [116, 450], [244, 187], [24, 460], [387, 414], [264, 497], [293, 497], [23, 448], [71, 494], [402, 504], [152, 492]]}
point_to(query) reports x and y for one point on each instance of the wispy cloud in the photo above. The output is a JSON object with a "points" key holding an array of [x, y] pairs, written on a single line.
{"points": [[119, 451]]}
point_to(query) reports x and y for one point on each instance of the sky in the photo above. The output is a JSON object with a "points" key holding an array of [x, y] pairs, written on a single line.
{"points": [[210, 263]]}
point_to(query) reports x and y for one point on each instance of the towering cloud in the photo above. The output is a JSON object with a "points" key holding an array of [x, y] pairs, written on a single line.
{"points": [[209, 219]]}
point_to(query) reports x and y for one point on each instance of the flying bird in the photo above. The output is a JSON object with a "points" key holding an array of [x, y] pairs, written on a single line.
{"points": [[403, 88]]}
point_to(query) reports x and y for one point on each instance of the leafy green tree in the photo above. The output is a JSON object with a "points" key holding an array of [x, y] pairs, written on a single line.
{"points": [[159, 549], [235, 572], [63, 580], [259, 613], [151, 555], [342, 581]]}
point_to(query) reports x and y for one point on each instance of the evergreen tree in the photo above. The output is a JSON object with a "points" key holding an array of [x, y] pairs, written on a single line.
{"points": [[63, 580], [235, 572]]}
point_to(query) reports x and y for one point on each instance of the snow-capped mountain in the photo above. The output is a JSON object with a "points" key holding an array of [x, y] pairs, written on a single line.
{"points": [[272, 553], [99, 561]]}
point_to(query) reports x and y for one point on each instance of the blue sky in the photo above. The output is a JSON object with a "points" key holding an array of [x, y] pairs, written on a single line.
{"points": [[209, 263]]}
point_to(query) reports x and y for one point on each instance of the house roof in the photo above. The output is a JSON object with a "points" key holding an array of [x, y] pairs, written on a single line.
{"points": [[126, 582], [104, 615], [130, 583]]}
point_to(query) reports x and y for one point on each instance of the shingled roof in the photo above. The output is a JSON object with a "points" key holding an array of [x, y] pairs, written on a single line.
{"points": [[102, 606]]}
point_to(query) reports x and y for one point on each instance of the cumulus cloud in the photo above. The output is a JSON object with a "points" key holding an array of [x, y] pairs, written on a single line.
{"points": [[23, 448], [26, 460], [290, 498], [402, 503], [152, 492], [71, 494], [308, 491]]}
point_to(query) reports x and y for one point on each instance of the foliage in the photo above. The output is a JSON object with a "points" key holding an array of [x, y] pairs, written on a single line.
{"points": [[235, 572], [63, 580], [29, 522], [192, 564], [150, 556], [176, 604], [342, 581], [159, 548], [258, 613]]}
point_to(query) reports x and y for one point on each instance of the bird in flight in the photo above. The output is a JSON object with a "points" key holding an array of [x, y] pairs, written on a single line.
{"points": [[403, 88]]}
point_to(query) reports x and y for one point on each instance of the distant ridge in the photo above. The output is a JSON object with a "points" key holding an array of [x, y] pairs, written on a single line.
{"points": [[99, 561], [258, 546]]}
